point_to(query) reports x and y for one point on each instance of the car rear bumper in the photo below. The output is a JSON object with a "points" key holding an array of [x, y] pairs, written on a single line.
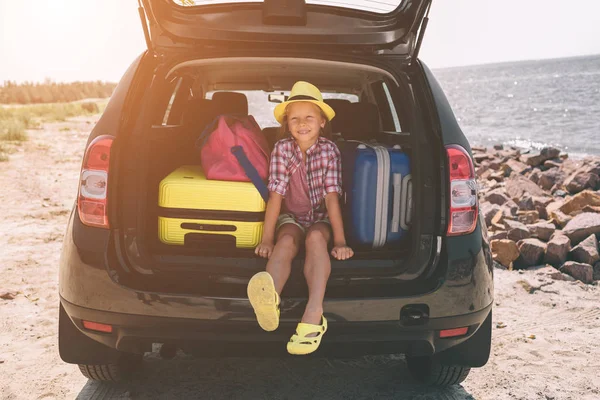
{"points": [[137, 333]]}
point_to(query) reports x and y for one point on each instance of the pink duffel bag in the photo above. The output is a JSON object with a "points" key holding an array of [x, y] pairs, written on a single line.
{"points": [[225, 133]]}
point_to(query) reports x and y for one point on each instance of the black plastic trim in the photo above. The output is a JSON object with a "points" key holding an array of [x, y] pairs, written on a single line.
{"points": [[221, 215], [136, 333]]}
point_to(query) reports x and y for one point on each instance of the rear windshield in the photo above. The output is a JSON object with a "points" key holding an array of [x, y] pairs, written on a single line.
{"points": [[376, 6], [261, 108]]}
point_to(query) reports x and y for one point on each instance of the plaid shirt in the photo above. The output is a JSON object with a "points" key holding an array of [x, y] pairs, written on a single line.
{"points": [[323, 173]]}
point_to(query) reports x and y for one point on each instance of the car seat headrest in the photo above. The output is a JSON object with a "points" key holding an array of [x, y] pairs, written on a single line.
{"points": [[362, 122], [336, 103], [271, 133], [230, 103]]}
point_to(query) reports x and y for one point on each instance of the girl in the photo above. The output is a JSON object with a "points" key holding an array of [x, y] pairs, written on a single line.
{"points": [[304, 188]]}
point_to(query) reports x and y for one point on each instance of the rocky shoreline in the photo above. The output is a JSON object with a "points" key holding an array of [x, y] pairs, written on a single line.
{"points": [[541, 209]]}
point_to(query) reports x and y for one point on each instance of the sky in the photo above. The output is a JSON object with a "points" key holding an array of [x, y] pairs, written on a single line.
{"points": [[68, 40]]}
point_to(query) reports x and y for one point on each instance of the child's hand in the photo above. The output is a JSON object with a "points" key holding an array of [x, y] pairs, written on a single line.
{"points": [[264, 250], [342, 252]]}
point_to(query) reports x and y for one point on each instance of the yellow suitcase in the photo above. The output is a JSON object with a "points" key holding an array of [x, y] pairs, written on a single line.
{"points": [[199, 212]]}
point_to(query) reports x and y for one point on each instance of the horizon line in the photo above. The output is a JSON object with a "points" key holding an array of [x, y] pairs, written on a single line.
{"points": [[481, 64]]}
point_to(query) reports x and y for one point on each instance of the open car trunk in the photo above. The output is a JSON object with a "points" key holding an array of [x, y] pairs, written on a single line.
{"points": [[174, 117]]}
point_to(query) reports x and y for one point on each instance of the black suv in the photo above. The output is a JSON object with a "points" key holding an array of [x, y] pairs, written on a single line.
{"points": [[122, 290]]}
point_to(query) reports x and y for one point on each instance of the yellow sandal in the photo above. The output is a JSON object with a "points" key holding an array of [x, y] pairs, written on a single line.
{"points": [[264, 300], [300, 344]]}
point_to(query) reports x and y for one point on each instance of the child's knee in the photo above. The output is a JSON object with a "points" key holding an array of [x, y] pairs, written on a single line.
{"points": [[287, 240], [315, 238]]}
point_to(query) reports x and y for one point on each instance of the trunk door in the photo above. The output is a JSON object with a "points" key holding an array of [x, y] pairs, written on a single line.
{"points": [[359, 25]]}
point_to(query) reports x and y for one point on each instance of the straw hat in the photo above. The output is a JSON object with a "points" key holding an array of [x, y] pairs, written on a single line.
{"points": [[304, 91]]}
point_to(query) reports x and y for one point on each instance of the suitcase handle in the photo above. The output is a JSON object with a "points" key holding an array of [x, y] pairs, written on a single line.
{"points": [[396, 201], [406, 214]]}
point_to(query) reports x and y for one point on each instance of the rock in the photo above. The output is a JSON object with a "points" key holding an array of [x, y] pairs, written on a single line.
{"points": [[8, 295], [542, 230], [535, 176], [587, 251], [557, 250], [582, 226], [489, 210], [532, 253], [499, 235], [554, 206], [550, 178], [542, 201], [583, 272], [556, 163], [533, 160], [516, 230], [560, 218], [580, 181], [528, 217], [497, 220], [496, 196], [550, 272], [592, 209], [559, 193], [550, 152], [536, 159], [597, 271], [495, 164], [526, 203], [480, 157], [512, 165], [496, 176], [517, 186], [483, 171], [504, 251], [498, 147], [580, 201]]}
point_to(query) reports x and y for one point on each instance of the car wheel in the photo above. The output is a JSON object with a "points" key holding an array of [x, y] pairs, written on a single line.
{"points": [[430, 371], [118, 372]]}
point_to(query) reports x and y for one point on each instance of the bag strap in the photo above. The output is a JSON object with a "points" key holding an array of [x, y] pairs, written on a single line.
{"points": [[208, 130], [251, 172]]}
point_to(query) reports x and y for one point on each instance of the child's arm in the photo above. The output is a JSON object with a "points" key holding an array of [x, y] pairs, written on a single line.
{"points": [[340, 250], [265, 248]]}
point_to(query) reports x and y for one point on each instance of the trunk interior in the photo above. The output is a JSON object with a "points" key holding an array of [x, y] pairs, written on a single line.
{"points": [[371, 104]]}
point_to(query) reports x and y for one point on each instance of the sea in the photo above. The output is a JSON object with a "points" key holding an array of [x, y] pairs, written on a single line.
{"points": [[528, 104]]}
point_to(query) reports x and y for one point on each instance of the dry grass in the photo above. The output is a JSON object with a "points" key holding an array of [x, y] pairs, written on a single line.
{"points": [[3, 155], [16, 120]]}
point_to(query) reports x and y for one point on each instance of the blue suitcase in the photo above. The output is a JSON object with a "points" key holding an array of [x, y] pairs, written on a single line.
{"points": [[377, 193]]}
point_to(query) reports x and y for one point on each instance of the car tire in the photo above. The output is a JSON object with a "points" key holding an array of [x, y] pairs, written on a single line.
{"points": [[430, 371], [118, 372]]}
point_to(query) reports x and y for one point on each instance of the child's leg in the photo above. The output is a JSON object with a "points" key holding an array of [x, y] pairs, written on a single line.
{"points": [[286, 247], [317, 268]]}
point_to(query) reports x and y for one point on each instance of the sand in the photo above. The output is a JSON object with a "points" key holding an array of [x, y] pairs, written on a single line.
{"points": [[545, 333]]}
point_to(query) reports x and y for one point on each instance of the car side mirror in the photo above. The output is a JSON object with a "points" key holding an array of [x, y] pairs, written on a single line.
{"points": [[277, 98]]}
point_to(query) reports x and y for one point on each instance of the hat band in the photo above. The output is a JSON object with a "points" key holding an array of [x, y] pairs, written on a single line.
{"points": [[302, 97]]}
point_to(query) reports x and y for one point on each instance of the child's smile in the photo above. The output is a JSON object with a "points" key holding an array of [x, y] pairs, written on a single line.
{"points": [[305, 123]]}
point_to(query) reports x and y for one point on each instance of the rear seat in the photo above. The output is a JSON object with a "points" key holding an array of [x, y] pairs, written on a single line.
{"points": [[360, 121], [230, 103]]}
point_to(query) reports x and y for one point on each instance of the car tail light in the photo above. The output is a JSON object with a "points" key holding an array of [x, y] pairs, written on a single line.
{"points": [[96, 326], [93, 183], [463, 192], [446, 333]]}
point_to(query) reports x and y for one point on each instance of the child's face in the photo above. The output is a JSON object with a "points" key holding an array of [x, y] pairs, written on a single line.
{"points": [[304, 121]]}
